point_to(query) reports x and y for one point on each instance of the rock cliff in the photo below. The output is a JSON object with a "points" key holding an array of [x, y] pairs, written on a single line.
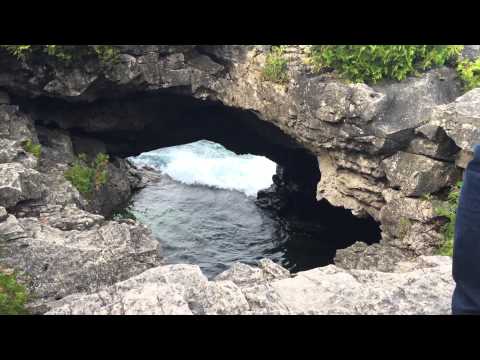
{"points": [[376, 150]]}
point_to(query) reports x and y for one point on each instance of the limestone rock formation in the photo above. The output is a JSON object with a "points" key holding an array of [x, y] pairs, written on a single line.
{"points": [[380, 150], [422, 288], [415, 175], [18, 183], [58, 256]]}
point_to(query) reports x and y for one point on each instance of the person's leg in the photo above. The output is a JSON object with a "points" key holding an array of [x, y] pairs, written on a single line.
{"points": [[466, 252]]}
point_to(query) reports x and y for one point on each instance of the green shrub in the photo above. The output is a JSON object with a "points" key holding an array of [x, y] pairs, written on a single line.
{"points": [[34, 149], [124, 214], [372, 63], [449, 211], [88, 178], [469, 73], [275, 69], [13, 296], [19, 51], [106, 54]]}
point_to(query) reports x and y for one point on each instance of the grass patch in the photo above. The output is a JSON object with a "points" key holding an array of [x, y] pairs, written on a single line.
{"points": [[13, 296], [88, 177], [275, 68]]}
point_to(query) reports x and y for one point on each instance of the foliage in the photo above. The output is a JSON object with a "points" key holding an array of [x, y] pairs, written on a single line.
{"points": [[449, 211], [469, 73], [13, 296], [427, 197], [34, 149], [19, 51], [124, 214], [275, 69], [88, 178], [372, 63], [106, 54]]}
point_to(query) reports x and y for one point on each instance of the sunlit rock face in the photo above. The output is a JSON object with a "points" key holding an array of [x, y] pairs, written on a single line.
{"points": [[421, 288]]}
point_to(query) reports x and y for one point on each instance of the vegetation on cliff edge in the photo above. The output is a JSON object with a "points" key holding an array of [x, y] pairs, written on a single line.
{"points": [[372, 63], [275, 68], [88, 177], [469, 73], [449, 211], [67, 54], [13, 296], [34, 149]]}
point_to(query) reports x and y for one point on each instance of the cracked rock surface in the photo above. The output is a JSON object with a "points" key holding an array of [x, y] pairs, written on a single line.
{"points": [[182, 289]]}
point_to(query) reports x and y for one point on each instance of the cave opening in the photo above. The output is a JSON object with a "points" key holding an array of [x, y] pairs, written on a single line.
{"points": [[284, 222]]}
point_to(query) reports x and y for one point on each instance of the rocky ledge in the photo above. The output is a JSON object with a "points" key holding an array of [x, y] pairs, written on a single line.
{"points": [[380, 148], [424, 287]]}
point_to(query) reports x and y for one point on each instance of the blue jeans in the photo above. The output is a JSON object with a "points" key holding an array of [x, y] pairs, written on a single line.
{"points": [[466, 251]]}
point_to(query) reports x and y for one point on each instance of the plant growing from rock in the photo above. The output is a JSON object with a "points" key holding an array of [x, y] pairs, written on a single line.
{"points": [[372, 63], [449, 211], [124, 214], [469, 73], [34, 149], [67, 54], [88, 178], [275, 68], [13, 296]]}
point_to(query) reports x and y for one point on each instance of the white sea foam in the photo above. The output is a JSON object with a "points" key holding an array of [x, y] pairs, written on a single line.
{"points": [[207, 163]]}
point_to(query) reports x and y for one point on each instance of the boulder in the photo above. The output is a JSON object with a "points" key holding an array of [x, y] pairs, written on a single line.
{"points": [[18, 183], [416, 175], [377, 257], [471, 52], [10, 229], [460, 119], [55, 263]]}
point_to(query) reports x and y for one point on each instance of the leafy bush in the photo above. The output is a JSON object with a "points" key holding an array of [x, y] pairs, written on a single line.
{"points": [[106, 54], [34, 149], [88, 178], [19, 51], [469, 73], [449, 211], [275, 69], [13, 296], [372, 63]]}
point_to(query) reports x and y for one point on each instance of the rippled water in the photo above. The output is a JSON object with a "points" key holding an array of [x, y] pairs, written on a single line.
{"points": [[202, 210]]}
